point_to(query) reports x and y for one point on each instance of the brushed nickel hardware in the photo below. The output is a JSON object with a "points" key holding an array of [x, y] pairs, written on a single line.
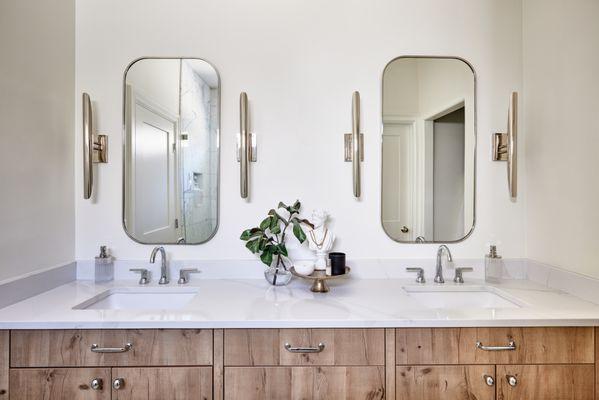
{"points": [[354, 145], [511, 380], [96, 384], [505, 146], [348, 146], [163, 268], [404, 229], [95, 147], [443, 249], [118, 383], [489, 380], [144, 279], [247, 149], [510, 347], [184, 275], [292, 349], [419, 274], [97, 349], [459, 277], [420, 239]]}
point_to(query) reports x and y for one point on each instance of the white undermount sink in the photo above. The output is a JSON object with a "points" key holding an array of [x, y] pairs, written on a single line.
{"points": [[460, 297], [139, 299]]}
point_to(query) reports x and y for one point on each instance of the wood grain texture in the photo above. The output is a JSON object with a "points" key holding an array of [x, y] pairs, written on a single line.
{"points": [[265, 347], [4, 363], [295, 383], [456, 382], [424, 346], [218, 371], [174, 383], [546, 382], [427, 346], [59, 384], [390, 364], [71, 348], [571, 345]]}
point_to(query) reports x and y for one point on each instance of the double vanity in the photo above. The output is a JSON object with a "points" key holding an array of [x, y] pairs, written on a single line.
{"points": [[244, 339]]}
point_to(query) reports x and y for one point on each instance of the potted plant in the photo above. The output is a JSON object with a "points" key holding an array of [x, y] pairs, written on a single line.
{"points": [[268, 240]]}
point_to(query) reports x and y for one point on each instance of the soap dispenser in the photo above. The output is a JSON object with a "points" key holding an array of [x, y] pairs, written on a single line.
{"points": [[104, 271], [494, 268]]}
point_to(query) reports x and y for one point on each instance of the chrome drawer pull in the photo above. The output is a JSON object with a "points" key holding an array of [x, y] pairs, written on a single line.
{"points": [[125, 349], [304, 349], [510, 346]]}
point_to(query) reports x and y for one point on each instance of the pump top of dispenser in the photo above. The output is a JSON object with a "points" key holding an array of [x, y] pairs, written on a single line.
{"points": [[493, 252]]}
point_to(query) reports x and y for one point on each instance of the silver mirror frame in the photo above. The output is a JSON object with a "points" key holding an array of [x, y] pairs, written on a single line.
{"points": [[475, 125], [124, 147]]}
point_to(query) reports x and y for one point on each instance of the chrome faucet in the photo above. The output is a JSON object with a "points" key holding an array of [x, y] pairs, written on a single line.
{"points": [[163, 269], [439, 272]]}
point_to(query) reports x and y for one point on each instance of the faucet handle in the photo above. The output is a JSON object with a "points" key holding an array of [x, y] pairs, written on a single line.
{"points": [[458, 274], [184, 275], [144, 279], [420, 273]]}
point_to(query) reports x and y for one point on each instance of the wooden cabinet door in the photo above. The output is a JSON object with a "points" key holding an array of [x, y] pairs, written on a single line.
{"points": [[59, 384], [267, 347], [73, 347], [299, 383], [545, 382], [456, 382], [4, 357], [173, 383]]}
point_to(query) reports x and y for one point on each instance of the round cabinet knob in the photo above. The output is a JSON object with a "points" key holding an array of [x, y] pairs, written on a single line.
{"points": [[96, 384], [118, 383], [489, 380], [404, 229], [511, 380]]}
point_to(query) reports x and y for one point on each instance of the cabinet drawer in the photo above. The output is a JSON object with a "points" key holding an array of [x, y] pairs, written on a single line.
{"points": [[73, 348], [60, 383], [317, 383], [185, 383], [271, 347], [456, 382], [570, 345], [546, 382]]}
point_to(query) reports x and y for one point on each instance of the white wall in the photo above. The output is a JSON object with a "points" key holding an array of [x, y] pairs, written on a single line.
{"points": [[299, 61], [37, 88], [561, 104]]}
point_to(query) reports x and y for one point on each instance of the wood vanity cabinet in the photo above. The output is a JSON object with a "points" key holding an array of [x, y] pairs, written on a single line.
{"points": [[327, 364], [133, 364], [331, 364], [495, 363]]}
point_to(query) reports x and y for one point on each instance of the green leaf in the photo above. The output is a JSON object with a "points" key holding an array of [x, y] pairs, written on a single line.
{"points": [[253, 246], [296, 206], [282, 205], [276, 214], [299, 233], [266, 256], [283, 250], [275, 230], [265, 224], [249, 233]]}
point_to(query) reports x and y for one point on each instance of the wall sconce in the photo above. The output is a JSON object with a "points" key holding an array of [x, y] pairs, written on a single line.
{"points": [[354, 146], [505, 147], [246, 146], [95, 148]]}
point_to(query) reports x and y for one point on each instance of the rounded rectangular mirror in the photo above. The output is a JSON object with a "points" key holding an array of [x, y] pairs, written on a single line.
{"points": [[429, 149], [171, 150]]}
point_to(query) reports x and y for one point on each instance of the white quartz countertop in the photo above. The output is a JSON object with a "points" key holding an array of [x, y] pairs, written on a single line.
{"points": [[252, 303]]}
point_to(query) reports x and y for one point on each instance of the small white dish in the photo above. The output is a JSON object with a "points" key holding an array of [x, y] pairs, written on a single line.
{"points": [[304, 267]]}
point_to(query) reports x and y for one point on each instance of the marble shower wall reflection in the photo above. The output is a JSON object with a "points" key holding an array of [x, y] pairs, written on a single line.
{"points": [[199, 121]]}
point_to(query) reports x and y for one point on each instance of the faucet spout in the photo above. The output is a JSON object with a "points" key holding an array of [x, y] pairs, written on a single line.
{"points": [[163, 267], [443, 249]]}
